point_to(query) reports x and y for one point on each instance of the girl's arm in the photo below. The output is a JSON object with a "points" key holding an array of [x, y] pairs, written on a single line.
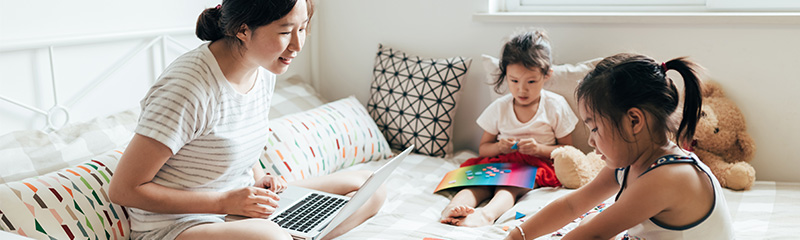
{"points": [[569, 207], [132, 186], [531, 147], [490, 146]]}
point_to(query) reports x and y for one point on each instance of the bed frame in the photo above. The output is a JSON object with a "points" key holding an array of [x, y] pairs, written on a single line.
{"points": [[57, 115]]}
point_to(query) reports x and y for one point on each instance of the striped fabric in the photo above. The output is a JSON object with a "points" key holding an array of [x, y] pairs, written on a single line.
{"points": [[71, 203], [322, 140], [216, 133]]}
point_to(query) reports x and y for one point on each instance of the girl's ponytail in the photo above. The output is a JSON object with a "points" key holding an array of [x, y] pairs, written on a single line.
{"points": [[693, 99]]}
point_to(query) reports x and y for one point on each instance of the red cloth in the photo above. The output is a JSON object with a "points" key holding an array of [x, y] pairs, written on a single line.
{"points": [[545, 174]]}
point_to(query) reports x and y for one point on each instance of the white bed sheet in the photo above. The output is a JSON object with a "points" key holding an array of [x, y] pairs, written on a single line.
{"points": [[771, 210]]}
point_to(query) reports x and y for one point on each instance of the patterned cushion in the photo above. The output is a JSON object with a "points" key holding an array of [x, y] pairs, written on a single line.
{"points": [[322, 140], [292, 95], [414, 99], [71, 203]]}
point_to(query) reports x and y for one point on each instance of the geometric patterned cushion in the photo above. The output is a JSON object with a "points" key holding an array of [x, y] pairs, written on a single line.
{"points": [[413, 99], [322, 140], [71, 203]]}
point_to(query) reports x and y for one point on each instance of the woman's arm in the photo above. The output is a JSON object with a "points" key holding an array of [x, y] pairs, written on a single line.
{"points": [[132, 186], [569, 207], [491, 147]]}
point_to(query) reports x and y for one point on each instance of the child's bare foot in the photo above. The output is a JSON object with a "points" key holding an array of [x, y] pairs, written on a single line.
{"points": [[454, 215], [477, 218]]}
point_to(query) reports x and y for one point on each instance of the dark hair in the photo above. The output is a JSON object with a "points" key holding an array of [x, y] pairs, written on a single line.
{"points": [[530, 48], [225, 20], [624, 81]]}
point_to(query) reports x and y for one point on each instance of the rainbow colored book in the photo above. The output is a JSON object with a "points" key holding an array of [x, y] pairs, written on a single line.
{"points": [[491, 174]]}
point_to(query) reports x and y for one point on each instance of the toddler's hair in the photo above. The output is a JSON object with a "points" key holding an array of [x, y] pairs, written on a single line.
{"points": [[626, 81], [530, 48]]}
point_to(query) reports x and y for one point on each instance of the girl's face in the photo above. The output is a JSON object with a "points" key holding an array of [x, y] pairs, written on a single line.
{"points": [[605, 138], [525, 84], [275, 45]]}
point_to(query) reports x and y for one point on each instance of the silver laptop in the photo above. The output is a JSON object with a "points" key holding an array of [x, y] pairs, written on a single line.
{"points": [[311, 214]]}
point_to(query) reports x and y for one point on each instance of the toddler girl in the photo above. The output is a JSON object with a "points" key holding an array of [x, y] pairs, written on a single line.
{"points": [[522, 127]]}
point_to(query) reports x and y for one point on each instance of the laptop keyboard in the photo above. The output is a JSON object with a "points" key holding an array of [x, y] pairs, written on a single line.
{"points": [[306, 214]]}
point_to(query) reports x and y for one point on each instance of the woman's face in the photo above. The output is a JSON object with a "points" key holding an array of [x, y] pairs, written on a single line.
{"points": [[275, 45]]}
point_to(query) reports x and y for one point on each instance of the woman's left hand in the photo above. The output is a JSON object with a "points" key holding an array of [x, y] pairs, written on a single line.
{"points": [[528, 146], [273, 183]]}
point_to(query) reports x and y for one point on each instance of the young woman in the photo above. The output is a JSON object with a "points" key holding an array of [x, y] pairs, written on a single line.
{"points": [[194, 157]]}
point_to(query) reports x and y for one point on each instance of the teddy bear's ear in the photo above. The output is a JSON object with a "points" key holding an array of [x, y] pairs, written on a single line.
{"points": [[712, 89], [747, 145]]}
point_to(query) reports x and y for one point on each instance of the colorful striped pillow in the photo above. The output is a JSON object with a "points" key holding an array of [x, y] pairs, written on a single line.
{"points": [[71, 203], [322, 140]]}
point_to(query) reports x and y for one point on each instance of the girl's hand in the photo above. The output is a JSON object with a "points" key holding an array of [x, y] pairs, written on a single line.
{"points": [[528, 146], [504, 145], [250, 202], [274, 183]]}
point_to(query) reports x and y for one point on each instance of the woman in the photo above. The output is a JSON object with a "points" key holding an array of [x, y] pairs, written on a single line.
{"points": [[194, 157]]}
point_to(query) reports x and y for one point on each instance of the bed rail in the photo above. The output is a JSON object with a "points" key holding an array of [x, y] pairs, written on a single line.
{"points": [[58, 114]]}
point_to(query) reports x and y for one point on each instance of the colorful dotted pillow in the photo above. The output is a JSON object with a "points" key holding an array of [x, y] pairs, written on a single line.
{"points": [[322, 140], [71, 203]]}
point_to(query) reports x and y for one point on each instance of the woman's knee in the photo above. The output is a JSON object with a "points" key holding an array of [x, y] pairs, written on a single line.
{"points": [[259, 228]]}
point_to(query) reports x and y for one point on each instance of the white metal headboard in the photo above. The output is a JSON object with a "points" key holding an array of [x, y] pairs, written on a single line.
{"points": [[157, 41]]}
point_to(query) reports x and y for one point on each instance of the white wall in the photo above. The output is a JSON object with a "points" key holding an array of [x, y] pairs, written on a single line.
{"points": [[25, 74], [756, 63]]}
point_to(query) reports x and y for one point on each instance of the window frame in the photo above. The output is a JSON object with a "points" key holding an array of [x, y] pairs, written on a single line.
{"points": [[651, 6]]}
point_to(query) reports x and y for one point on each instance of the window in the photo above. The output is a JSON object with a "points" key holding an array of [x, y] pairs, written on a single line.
{"points": [[651, 5]]}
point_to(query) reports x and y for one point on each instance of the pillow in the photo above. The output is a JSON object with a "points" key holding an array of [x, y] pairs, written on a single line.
{"points": [[322, 140], [413, 99], [564, 81], [293, 95], [29, 153], [71, 203]]}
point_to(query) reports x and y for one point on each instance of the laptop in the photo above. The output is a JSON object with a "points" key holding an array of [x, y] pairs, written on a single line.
{"points": [[310, 214]]}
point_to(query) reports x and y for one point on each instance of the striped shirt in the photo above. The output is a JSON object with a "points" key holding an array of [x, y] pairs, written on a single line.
{"points": [[216, 134]]}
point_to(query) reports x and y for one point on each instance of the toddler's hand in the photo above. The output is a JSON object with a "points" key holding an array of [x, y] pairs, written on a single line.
{"points": [[528, 146], [250, 202], [274, 183], [505, 145]]}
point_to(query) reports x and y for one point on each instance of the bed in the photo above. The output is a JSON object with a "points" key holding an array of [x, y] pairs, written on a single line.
{"points": [[55, 180]]}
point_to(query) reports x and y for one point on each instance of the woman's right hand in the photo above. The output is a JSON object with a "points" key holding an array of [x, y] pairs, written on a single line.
{"points": [[250, 202]]}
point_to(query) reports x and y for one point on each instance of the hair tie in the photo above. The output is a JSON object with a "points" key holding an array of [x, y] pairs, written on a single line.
{"points": [[218, 6], [664, 67]]}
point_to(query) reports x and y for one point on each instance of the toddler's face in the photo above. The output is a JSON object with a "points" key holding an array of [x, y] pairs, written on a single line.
{"points": [[525, 84]]}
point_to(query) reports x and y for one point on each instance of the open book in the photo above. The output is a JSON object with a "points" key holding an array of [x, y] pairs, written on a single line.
{"points": [[491, 174]]}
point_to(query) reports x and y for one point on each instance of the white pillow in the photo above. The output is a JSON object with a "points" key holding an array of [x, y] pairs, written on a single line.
{"points": [[564, 81]]}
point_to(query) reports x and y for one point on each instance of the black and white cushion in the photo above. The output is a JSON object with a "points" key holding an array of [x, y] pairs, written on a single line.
{"points": [[413, 99]]}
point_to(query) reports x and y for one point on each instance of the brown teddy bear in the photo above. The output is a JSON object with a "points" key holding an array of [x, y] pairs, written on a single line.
{"points": [[721, 140]]}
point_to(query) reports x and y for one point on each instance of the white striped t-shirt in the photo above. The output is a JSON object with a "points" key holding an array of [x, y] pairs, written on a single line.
{"points": [[215, 133]]}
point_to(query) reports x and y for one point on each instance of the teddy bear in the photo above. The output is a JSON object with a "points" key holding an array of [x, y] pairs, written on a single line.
{"points": [[721, 140], [573, 168]]}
